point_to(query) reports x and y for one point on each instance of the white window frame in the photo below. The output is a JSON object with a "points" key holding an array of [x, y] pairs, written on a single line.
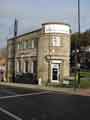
{"points": [[55, 81], [55, 62], [32, 43], [17, 66], [32, 67]]}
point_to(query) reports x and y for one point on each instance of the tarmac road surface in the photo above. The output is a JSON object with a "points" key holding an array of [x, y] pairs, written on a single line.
{"points": [[43, 105]]}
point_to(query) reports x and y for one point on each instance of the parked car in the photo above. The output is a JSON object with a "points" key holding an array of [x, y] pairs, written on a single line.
{"points": [[27, 78]]}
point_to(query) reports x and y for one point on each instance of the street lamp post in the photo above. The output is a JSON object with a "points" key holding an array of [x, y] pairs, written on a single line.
{"points": [[77, 53]]}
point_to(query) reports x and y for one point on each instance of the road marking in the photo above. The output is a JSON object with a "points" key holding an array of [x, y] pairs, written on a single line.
{"points": [[10, 114], [22, 95]]}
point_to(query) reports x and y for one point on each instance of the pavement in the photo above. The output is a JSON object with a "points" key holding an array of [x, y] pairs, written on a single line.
{"points": [[72, 91], [42, 103]]}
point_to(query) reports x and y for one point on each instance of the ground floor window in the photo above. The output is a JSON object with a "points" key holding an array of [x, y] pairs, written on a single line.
{"points": [[34, 67], [26, 66], [18, 64]]}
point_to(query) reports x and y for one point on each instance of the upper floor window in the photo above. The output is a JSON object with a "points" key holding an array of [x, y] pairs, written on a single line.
{"points": [[29, 44], [32, 43], [56, 41], [19, 45], [25, 44]]}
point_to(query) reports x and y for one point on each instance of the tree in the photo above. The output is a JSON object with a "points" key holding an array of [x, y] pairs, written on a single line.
{"points": [[84, 39]]}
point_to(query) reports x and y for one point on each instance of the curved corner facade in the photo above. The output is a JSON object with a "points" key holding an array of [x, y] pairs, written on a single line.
{"points": [[44, 52]]}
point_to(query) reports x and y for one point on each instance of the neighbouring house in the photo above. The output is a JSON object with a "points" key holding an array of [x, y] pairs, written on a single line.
{"points": [[44, 52], [3, 62]]}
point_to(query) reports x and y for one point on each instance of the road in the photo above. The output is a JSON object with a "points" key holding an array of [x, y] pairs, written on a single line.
{"points": [[42, 105]]}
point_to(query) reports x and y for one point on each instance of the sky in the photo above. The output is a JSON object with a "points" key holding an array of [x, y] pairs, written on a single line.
{"points": [[32, 13]]}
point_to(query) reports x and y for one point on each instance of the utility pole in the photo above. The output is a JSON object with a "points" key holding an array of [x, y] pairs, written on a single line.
{"points": [[79, 43], [14, 48]]}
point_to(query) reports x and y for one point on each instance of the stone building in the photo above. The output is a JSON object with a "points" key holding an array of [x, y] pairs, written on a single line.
{"points": [[44, 52]]}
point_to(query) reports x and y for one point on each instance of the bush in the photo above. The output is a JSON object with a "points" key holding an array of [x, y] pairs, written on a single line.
{"points": [[85, 84], [27, 78]]}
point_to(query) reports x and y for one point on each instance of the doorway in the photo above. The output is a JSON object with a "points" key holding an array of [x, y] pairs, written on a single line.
{"points": [[55, 72]]}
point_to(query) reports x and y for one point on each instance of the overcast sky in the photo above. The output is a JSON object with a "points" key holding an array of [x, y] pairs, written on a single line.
{"points": [[32, 13]]}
